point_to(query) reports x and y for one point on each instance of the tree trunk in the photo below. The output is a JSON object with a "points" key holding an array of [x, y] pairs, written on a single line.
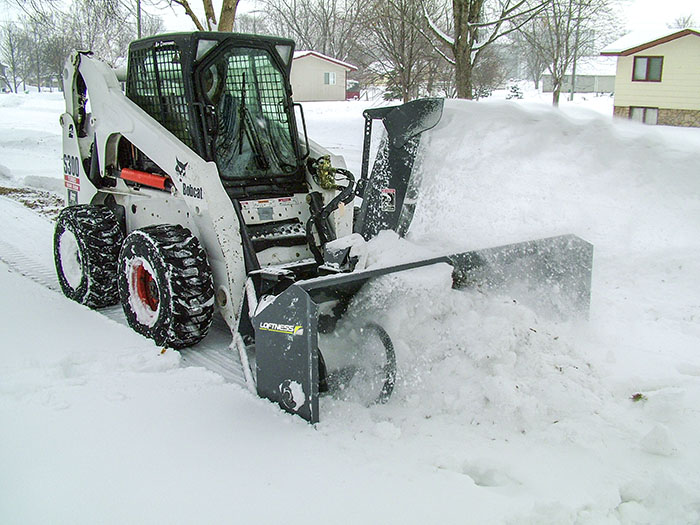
{"points": [[556, 91], [209, 15], [536, 77], [463, 78], [228, 15], [38, 61], [138, 18], [464, 13]]}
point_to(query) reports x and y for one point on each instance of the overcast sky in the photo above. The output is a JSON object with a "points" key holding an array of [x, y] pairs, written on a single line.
{"points": [[634, 14], [651, 14]]}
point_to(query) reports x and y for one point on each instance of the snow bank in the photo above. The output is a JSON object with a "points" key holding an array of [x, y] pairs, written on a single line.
{"points": [[30, 140], [492, 381], [500, 173]]}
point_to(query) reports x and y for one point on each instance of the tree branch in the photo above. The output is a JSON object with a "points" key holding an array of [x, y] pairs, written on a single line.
{"points": [[188, 10]]}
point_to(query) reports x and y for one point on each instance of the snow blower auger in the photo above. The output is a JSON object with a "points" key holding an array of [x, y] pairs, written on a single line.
{"points": [[197, 190]]}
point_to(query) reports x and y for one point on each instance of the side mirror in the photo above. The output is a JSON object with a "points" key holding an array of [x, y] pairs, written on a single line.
{"points": [[299, 116]]}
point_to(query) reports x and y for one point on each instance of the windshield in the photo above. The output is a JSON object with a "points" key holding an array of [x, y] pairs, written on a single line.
{"points": [[254, 138]]}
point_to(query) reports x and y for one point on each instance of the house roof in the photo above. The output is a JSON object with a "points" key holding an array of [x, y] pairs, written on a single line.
{"points": [[639, 41], [302, 54]]}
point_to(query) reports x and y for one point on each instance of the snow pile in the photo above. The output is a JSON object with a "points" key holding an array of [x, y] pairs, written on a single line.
{"points": [[500, 173], [30, 140], [474, 359], [492, 375]]}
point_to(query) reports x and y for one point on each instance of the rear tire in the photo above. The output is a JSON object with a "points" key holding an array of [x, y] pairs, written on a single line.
{"points": [[86, 246], [165, 285]]}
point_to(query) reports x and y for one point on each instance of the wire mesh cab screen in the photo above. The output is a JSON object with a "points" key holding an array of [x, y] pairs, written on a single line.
{"points": [[254, 136], [155, 83]]}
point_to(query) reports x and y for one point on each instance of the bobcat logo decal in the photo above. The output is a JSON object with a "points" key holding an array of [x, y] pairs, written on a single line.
{"points": [[180, 167], [189, 191]]}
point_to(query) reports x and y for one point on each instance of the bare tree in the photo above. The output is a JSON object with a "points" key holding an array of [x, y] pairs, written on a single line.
{"points": [[682, 22], [11, 49], [255, 23], [58, 43], [227, 14], [477, 24], [105, 32], [36, 8], [564, 31], [489, 72], [37, 45], [532, 61], [395, 44], [331, 27], [35, 34]]}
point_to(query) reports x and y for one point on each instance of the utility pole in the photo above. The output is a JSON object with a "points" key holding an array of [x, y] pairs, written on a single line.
{"points": [[138, 18], [576, 42], [38, 65]]}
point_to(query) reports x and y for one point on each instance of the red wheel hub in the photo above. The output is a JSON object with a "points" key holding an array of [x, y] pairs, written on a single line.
{"points": [[146, 287]]}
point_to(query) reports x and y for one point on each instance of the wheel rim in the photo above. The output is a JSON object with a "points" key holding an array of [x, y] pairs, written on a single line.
{"points": [[144, 293], [146, 288]]}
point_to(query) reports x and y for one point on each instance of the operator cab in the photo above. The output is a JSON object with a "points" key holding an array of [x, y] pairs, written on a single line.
{"points": [[228, 97]]}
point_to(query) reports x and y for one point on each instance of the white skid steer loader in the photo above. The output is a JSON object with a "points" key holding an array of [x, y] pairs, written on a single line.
{"points": [[196, 190]]}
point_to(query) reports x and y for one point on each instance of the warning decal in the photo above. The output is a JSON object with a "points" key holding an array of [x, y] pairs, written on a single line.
{"points": [[388, 199]]}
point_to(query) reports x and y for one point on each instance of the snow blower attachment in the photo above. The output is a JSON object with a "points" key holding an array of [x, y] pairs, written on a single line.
{"points": [[197, 191], [551, 274]]}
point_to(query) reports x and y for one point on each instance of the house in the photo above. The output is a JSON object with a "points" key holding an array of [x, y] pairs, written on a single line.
{"points": [[319, 77], [3, 78], [594, 74], [658, 77]]}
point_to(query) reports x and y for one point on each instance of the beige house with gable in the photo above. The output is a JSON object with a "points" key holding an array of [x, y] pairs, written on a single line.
{"points": [[658, 77], [318, 77]]}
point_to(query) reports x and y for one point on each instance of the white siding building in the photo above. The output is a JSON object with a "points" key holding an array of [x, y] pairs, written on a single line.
{"points": [[318, 77], [593, 75], [3, 75], [658, 77]]}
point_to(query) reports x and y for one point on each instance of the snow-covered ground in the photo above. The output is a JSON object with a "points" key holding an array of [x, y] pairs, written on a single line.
{"points": [[499, 415]]}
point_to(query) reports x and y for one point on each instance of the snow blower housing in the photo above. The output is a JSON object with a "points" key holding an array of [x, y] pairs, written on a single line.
{"points": [[198, 191]]}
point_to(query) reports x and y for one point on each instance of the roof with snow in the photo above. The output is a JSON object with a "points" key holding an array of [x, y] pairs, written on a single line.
{"points": [[302, 54], [640, 40]]}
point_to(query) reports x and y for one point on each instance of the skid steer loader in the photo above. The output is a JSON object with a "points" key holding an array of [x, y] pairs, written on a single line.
{"points": [[196, 190]]}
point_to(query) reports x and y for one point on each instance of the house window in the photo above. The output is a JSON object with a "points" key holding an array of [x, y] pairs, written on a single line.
{"points": [[329, 79], [647, 69], [646, 115]]}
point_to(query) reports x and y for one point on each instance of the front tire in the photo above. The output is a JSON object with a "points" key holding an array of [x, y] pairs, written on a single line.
{"points": [[86, 246], [165, 285]]}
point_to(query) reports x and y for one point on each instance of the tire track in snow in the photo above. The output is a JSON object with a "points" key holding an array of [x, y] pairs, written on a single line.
{"points": [[27, 267], [213, 353]]}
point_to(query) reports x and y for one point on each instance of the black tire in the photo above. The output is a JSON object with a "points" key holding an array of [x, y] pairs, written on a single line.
{"points": [[165, 285], [86, 244]]}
